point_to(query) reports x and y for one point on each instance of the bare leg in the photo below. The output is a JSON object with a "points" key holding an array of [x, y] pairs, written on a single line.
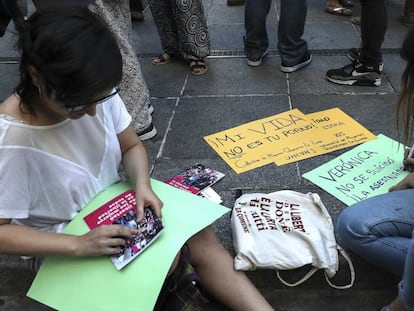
{"points": [[214, 265]]}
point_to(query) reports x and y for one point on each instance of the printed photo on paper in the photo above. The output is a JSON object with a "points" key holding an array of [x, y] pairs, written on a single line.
{"points": [[195, 178], [122, 211]]}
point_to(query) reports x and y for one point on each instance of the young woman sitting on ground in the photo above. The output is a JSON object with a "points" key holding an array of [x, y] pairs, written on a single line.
{"points": [[381, 229], [64, 133]]}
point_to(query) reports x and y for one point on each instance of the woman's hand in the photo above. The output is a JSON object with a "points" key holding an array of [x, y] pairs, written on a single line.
{"points": [[104, 240], [408, 161], [406, 183], [135, 162], [145, 197]]}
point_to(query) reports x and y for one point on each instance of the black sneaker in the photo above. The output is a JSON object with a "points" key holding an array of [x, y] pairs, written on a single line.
{"points": [[147, 133], [306, 60], [346, 3], [353, 54], [356, 74], [256, 62]]}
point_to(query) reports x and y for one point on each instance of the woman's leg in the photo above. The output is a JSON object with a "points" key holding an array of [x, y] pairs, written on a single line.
{"points": [[373, 27], [379, 229], [161, 11], [192, 32], [134, 91], [214, 265]]}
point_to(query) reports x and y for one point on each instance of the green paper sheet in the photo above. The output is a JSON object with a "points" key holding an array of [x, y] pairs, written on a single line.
{"points": [[85, 284], [363, 172]]}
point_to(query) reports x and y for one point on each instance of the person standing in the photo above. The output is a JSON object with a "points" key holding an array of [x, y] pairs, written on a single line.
{"points": [[292, 48], [366, 65], [183, 32], [133, 89]]}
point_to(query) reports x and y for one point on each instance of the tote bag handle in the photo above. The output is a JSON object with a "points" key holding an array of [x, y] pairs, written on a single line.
{"points": [[313, 270]]}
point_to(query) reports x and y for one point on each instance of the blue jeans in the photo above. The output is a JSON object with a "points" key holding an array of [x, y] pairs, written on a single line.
{"points": [[291, 27], [381, 230]]}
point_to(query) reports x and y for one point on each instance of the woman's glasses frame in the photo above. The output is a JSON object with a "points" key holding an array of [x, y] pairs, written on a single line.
{"points": [[83, 107]]}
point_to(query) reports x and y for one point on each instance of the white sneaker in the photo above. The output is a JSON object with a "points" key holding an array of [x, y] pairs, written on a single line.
{"points": [[147, 133]]}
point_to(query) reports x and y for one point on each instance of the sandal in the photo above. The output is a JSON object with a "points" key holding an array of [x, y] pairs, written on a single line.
{"points": [[162, 59], [198, 67], [338, 11]]}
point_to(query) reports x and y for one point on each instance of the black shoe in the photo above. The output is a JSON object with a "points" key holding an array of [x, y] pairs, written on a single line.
{"points": [[353, 54], [256, 62], [147, 133], [306, 60], [235, 2], [356, 74], [346, 3]]}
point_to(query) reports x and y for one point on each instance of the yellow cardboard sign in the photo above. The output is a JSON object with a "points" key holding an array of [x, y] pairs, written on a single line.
{"points": [[336, 130], [287, 137], [259, 142]]}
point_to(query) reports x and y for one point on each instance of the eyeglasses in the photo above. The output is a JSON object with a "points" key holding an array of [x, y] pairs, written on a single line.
{"points": [[79, 108]]}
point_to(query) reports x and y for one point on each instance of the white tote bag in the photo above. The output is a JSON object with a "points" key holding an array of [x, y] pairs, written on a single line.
{"points": [[285, 230]]}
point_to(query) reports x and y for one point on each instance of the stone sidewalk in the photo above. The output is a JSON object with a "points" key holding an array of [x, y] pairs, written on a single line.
{"points": [[187, 108]]}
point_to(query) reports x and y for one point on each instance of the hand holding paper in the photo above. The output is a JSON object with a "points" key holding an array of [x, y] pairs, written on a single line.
{"points": [[104, 240], [406, 183], [409, 159]]}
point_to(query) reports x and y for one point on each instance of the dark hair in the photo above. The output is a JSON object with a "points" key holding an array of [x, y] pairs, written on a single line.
{"points": [[74, 52], [405, 105]]}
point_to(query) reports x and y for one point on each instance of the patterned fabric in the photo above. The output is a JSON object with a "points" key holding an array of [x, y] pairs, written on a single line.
{"points": [[133, 89], [182, 290], [13, 262], [182, 27]]}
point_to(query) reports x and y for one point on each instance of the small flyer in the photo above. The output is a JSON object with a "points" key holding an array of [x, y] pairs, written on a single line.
{"points": [[122, 210], [195, 178]]}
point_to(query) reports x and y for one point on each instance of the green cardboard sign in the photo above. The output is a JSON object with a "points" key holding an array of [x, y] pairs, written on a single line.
{"points": [[363, 172], [77, 284]]}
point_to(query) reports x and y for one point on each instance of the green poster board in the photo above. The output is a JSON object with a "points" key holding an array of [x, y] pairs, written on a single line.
{"points": [[363, 172], [85, 284]]}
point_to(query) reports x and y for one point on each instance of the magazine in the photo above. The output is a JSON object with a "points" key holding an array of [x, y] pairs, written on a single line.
{"points": [[195, 178], [122, 210]]}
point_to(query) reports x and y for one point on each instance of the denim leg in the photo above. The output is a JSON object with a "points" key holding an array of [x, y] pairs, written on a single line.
{"points": [[256, 41], [291, 27], [379, 229], [373, 28], [406, 287]]}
